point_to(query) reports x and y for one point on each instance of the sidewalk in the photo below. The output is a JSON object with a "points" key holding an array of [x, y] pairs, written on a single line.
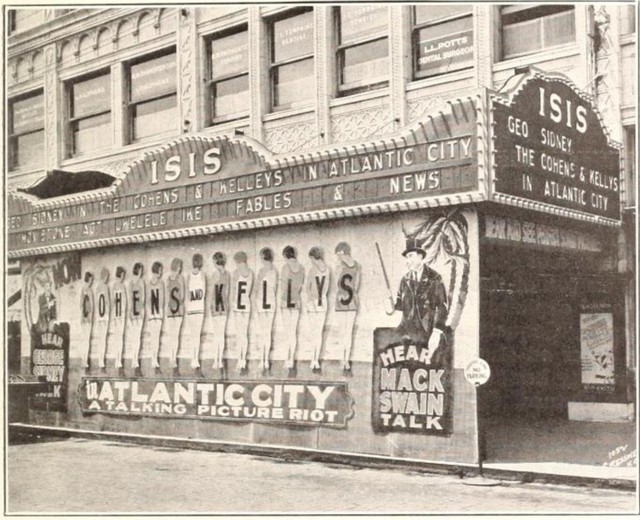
{"points": [[556, 473], [592, 450]]}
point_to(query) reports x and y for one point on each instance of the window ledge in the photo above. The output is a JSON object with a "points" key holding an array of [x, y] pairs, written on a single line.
{"points": [[288, 112], [361, 96], [626, 39], [120, 152], [227, 126], [554, 53], [16, 176], [447, 77]]}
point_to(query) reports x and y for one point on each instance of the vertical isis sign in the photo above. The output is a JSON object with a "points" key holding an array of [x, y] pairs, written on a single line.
{"points": [[412, 364]]}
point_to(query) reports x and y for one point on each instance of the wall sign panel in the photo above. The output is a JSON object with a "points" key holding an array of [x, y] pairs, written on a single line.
{"points": [[552, 148], [285, 402], [199, 181]]}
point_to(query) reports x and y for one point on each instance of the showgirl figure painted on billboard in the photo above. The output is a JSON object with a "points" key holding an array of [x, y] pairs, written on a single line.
{"points": [[291, 300], [86, 316], [118, 312], [102, 311], [174, 314], [133, 332], [196, 287], [154, 316], [317, 288], [348, 285], [265, 300], [241, 287], [220, 281]]}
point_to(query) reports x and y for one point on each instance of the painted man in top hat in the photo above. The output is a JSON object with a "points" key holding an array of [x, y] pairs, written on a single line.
{"points": [[422, 298]]}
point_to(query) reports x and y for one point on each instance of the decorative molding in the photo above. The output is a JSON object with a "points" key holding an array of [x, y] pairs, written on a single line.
{"points": [[398, 29], [116, 169], [152, 20], [50, 109], [323, 73], [363, 123], [187, 41], [25, 67], [256, 79], [291, 137], [483, 42], [607, 88], [418, 108]]}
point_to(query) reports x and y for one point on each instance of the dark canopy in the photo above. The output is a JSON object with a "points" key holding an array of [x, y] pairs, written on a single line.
{"points": [[61, 182]]}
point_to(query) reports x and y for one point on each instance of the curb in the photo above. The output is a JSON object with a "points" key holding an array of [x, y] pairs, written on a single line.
{"points": [[293, 454]]}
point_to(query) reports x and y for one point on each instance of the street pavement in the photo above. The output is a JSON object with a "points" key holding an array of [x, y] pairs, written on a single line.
{"points": [[96, 476]]}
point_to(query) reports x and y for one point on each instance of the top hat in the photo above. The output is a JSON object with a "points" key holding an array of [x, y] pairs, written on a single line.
{"points": [[413, 246]]}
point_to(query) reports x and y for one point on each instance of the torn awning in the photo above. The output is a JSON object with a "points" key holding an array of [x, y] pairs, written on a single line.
{"points": [[61, 182]]}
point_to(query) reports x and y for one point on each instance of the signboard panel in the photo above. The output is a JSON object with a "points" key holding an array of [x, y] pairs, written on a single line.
{"points": [[229, 55], [92, 96], [49, 358], [412, 392], [27, 114], [153, 78], [551, 147], [596, 348], [361, 21], [293, 37], [316, 403], [512, 229], [445, 53], [199, 181]]}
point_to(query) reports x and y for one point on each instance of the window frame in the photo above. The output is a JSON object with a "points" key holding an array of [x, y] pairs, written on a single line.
{"points": [[528, 7], [628, 22], [70, 147], [630, 157], [211, 82], [347, 89], [275, 65], [12, 136], [130, 105], [12, 23], [415, 38]]}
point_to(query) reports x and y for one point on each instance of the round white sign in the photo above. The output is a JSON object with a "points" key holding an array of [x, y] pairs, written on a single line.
{"points": [[477, 372]]}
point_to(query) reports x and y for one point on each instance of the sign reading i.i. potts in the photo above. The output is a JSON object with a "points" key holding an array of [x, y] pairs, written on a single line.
{"points": [[551, 147]]}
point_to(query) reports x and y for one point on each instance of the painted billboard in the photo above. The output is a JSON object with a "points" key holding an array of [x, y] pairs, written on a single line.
{"points": [[49, 333]]}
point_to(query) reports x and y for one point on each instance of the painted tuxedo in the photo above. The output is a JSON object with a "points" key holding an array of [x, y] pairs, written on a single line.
{"points": [[423, 303]]}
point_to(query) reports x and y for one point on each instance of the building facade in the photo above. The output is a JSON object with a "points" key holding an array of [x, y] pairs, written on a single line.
{"points": [[299, 140]]}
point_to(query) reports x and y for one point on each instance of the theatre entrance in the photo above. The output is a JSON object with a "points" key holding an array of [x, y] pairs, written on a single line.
{"points": [[532, 331]]}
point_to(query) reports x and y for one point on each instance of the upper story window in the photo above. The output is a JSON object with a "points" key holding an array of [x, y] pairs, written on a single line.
{"points": [[23, 19], [628, 19], [528, 28], [89, 114], [26, 131], [442, 39], [363, 47], [228, 76], [152, 96], [292, 68]]}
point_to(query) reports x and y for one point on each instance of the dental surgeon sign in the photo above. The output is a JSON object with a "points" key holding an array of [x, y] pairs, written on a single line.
{"points": [[551, 147]]}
